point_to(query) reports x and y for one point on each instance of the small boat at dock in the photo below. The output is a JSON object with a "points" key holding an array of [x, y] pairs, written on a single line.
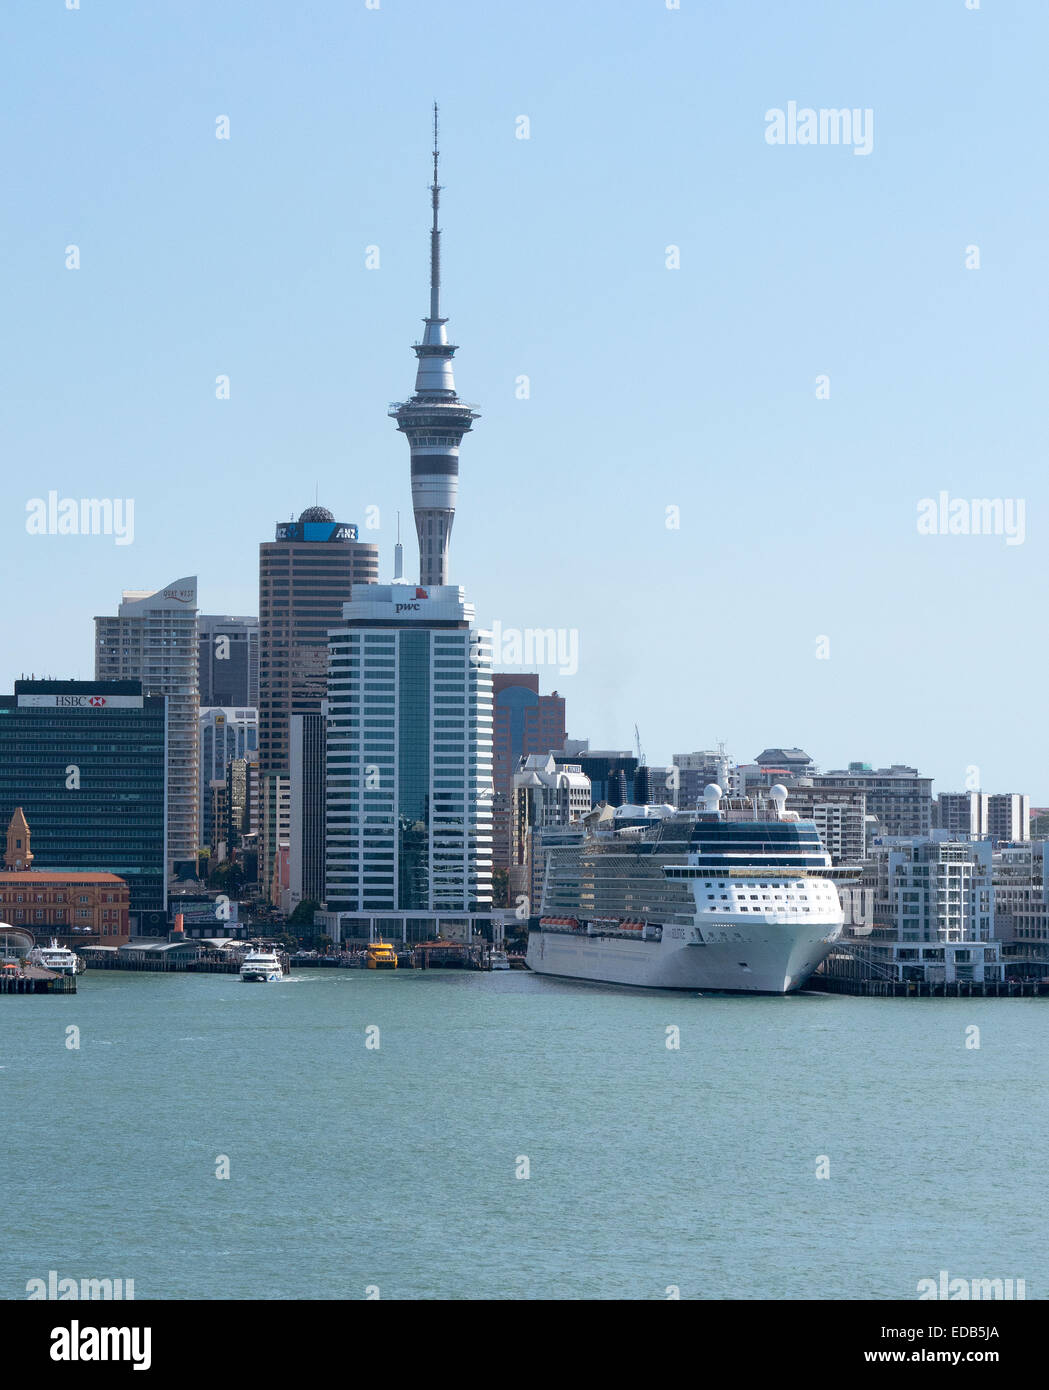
{"points": [[381, 955]]}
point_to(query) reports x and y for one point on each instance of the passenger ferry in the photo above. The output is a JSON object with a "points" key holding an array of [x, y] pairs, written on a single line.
{"points": [[57, 958], [261, 967], [380, 955], [729, 897], [499, 960]]}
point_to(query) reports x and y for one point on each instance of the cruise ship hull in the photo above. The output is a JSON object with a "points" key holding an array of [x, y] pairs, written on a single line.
{"points": [[761, 958]]}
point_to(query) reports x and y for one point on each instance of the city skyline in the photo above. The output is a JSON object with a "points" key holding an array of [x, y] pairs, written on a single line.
{"points": [[864, 278]]}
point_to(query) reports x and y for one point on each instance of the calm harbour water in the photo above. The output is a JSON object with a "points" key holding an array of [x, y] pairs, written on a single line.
{"points": [[649, 1167]]}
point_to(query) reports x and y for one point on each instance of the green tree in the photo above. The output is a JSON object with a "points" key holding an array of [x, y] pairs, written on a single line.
{"points": [[500, 887], [303, 914]]}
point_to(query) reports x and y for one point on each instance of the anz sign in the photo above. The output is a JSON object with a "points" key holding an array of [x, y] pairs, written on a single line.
{"points": [[315, 531]]}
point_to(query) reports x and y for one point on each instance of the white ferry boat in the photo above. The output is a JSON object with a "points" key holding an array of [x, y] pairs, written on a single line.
{"points": [[261, 967], [499, 960], [725, 898], [57, 958]]}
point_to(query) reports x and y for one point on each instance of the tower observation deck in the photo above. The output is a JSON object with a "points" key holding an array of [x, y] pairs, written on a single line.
{"points": [[434, 420]]}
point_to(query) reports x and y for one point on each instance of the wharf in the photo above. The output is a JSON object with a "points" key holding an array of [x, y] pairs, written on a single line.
{"points": [[921, 989], [34, 979], [206, 963], [427, 955]]}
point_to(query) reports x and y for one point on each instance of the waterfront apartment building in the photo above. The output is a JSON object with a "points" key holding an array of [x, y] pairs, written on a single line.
{"points": [[228, 661], [963, 813], [1021, 902], [896, 795], [153, 639], [934, 910], [86, 762], [546, 796], [306, 574], [1009, 817], [526, 723], [409, 767], [225, 733]]}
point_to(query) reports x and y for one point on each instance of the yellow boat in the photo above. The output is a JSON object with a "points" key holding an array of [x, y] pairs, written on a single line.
{"points": [[380, 955]]}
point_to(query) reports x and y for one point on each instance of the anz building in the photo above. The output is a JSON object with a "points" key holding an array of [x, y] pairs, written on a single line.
{"points": [[408, 849]]}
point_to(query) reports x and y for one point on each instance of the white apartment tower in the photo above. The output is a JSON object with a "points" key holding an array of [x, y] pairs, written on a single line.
{"points": [[1009, 817], [153, 639], [409, 766]]}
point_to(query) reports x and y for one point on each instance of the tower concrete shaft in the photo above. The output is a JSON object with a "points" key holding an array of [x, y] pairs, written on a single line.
{"points": [[435, 420]]}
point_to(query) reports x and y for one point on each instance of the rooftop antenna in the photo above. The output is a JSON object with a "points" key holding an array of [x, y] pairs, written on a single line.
{"points": [[398, 552]]}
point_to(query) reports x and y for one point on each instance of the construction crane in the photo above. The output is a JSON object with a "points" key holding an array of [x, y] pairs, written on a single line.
{"points": [[641, 761]]}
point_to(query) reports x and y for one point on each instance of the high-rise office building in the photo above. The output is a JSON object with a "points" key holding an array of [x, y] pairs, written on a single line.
{"points": [[434, 421], [242, 803], [306, 811], [228, 662], [85, 761], [306, 574], [225, 734], [1009, 817], [611, 773], [153, 639], [526, 723], [409, 766]]}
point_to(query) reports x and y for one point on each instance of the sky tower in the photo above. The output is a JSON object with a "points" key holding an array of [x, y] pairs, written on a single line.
{"points": [[435, 420]]}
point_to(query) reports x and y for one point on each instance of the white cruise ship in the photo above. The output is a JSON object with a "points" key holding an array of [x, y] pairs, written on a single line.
{"points": [[730, 897], [261, 967], [57, 958]]}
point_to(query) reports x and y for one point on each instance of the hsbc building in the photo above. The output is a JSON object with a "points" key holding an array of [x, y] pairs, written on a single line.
{"points": [[86, 762]]}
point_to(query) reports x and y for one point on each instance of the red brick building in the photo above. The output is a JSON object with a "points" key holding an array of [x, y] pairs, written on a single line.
{"points": [[86, 908]]}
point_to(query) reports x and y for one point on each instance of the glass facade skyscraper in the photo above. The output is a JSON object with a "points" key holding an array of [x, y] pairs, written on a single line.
{"points": [[409, 765], [86, 762]]}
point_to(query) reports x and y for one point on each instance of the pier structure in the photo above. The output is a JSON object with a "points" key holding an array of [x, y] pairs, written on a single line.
{"points": [[34, 979]]}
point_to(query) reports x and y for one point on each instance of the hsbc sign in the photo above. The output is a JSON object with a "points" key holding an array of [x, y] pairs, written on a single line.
{"points": [[90, 702]]}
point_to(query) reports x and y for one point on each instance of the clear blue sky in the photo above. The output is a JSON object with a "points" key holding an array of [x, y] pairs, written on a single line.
{"points": [[649, 387]]}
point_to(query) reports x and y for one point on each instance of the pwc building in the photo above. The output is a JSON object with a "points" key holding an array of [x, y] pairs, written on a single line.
{"points": [[409, 767], [86, 762]]}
